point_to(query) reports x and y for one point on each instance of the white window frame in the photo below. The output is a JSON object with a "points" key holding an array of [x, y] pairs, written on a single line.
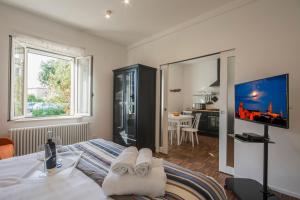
{"points": [[12, 79], [90, 96], [74, 81]]}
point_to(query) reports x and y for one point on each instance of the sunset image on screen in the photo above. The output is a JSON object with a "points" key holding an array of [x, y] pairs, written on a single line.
{"points": [[263, 101]]}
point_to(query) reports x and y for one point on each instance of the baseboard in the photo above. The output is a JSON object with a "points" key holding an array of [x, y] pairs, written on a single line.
{"points": [[163, 150], [284, 191], [280, 190], [156, 149]]}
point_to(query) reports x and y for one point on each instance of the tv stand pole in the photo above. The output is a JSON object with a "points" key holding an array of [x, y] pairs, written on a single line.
{"points": [[248, 189], [265, 191]]}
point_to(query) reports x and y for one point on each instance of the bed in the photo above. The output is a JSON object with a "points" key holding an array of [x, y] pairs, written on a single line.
{"points": [[87, 178]]}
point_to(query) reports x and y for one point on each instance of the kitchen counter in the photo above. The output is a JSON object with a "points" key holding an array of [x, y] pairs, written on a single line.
{"points": [[206, 110]]}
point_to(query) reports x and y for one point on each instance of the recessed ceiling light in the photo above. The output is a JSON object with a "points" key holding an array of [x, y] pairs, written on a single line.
{"points": [[108, 14], [126, 2]]}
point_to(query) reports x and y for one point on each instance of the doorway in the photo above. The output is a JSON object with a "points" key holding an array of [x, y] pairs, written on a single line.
{"points": [[197, 116]]}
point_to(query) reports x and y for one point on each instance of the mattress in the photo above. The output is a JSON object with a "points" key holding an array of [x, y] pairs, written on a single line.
{"points": [[181, 182]]}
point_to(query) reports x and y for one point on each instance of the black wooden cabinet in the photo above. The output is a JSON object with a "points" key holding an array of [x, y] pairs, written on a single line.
{"points": [[134, 106], [209, 123]]}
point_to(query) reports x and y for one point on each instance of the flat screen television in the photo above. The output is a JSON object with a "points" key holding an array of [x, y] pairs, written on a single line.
{"points": [[264, 101]]}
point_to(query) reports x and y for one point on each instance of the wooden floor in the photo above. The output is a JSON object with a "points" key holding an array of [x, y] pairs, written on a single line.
{"points": [[203, 158]]}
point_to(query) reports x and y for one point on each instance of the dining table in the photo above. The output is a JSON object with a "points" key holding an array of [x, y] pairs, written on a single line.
{"points": [[179, 121]]}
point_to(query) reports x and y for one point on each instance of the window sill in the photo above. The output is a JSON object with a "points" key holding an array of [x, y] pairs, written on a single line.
{"points": [[46, 118]]}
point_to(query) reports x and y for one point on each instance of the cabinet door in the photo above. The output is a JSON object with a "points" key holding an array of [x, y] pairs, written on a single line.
{"points": [[118, 107], [212, 122], [130, 107], [125, 107], [203, 124]]}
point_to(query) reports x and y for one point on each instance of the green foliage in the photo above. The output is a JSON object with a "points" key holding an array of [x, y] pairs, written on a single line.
{"points": [[56, 76], [32, 98], [48, 71], [48, 112]]}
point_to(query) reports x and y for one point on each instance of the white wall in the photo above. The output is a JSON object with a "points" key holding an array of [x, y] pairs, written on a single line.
{"points": [[198, 77], [176, 81], [265, 34], [191, 78], [107, 55]]}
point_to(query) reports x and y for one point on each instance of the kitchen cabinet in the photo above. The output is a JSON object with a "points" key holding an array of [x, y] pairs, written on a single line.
{"points": [[209, 122]]}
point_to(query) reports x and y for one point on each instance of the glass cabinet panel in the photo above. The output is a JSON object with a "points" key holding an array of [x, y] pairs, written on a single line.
{"points": [[125, 107], [119, 103], [130, 105]]}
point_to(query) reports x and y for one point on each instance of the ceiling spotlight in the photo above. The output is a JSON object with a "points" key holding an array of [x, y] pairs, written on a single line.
{"points": [[108, 14], [126, 2]]}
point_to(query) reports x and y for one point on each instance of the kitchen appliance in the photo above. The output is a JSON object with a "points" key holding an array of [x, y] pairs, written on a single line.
{"points": [[199, 106], [209, 100], [217, 82]]}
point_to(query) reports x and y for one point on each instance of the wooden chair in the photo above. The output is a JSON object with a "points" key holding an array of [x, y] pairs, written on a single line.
{"points": [[191, 131], [184, 124], [172, 129], [6, 148]]}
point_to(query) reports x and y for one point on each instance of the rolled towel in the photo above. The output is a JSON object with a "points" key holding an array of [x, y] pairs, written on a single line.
{"points": [[153, 185], [125, 162], [157, 162], [143, 162]]}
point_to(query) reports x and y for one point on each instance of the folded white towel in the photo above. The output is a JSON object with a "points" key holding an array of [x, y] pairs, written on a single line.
{"points": [[157, 162], [125, 162], [143, 162], [153, 185]]}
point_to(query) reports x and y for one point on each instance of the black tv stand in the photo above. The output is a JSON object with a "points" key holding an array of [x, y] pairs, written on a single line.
{"points": [[248, 189]]}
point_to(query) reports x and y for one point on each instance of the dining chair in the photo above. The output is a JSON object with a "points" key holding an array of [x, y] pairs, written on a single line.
{"points": [[191, 131], [184, 124], [172, 129]]}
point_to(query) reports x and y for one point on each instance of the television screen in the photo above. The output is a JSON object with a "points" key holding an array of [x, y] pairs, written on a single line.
{"points": [[263, 101]]}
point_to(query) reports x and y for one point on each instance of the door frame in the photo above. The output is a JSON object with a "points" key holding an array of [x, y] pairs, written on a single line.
{"points": [[163, 120], [163, 138], [223, 121]]}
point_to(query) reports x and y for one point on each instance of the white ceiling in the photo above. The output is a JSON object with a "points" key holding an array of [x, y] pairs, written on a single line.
{"points": [[128, 24]]}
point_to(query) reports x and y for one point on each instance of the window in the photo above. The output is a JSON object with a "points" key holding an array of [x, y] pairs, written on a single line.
{"points": [[46, 83]]}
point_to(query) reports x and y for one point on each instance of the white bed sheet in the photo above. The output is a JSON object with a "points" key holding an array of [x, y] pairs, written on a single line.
{"points": [[77, 186]]}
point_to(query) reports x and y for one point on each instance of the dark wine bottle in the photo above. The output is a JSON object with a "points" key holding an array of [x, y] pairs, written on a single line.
{"points": [[51, 163]]}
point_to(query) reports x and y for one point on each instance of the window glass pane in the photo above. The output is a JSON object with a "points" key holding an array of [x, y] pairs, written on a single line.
{"points": [[18, 80], [83, 90], [48, 85], [129, 101]]}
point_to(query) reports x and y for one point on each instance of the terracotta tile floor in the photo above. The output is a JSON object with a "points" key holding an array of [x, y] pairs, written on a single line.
{"points": [[203, 158]]}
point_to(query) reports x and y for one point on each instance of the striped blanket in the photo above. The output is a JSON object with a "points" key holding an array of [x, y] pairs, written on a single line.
{"points": [[181, 184]]}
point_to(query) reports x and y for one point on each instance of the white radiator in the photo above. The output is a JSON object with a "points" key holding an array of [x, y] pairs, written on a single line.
{"points": [[27, 140]]}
